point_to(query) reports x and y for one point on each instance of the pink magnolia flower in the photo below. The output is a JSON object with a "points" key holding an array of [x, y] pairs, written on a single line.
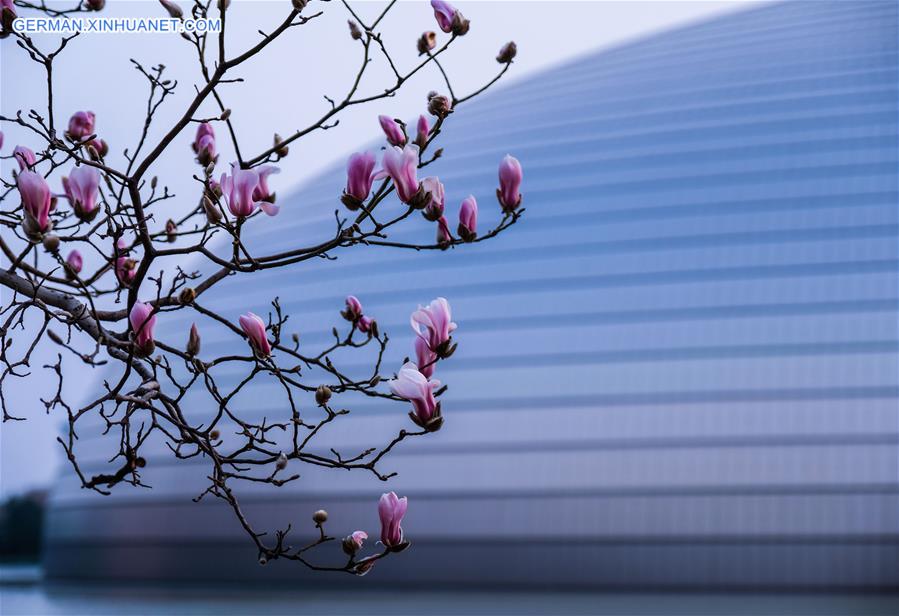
{"points": [[393, 131], [444, 12], [358, 537], [25, 157], [254, 328], [74, 262], [1, 139], [444, 237], [425, 358], [391, 510], [81, 190], [353, 309], [81, 125], [7, 16], [204, 144], [240, 192], [509, 183], [35, 193], [359, 178], [264, 196], [402, 167], [142, 323], [468, 219], [412, 385], [422, 130], [434, 209], [365, 324], [434, 323], [125, 269]]}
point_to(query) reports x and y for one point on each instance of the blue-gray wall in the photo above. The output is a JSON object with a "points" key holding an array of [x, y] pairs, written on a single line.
{"points": [[679, 369]]}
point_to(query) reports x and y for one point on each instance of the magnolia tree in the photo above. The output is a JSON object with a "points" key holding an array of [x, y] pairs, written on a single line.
{"points": [[65, 206]]}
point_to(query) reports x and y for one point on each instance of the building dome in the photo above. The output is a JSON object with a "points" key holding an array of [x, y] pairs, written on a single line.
{"points": [[679, 369]]}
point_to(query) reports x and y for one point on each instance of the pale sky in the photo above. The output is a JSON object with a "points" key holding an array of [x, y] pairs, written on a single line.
{"points": [[282, 92]]}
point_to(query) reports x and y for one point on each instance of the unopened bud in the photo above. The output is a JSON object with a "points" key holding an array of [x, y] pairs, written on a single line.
{"points": [[51, 242], [320, 516], [225, 114], [426, 42], [96, 5], [171, 230], [440, 106], [214, 435], [263, 561], [193, 341], [210, 169], [140, 462], [355, 32], [280, 150], [172, 9], [322, 395], [507, 53], [223, 4], [295, 337], [153, 182], [299, 4], [92, 152], [213, 214], [187, 296], [281, 462], [349, 545]]}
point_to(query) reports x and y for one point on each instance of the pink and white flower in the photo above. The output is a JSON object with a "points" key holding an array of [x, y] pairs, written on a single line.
{"points": [[391, 510], [254, 327], [412, 385], [81, 188], [434, 323], [143, 320]]}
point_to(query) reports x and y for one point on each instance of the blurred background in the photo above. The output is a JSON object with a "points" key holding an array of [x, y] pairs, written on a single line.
{"points": [[677, 374]]}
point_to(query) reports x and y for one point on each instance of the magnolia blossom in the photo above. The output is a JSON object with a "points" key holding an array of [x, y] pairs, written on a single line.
{"points": [[425, 358], [262, 193], [402, 167], [358, 537], [365, 324], [142, 323], [444, 237], [81, 125], [204, 144], [434, 323], [359, 178], [74, 262], [412, 385], [353, 309], [25, 157], [423, 129], [509, 183], [444, 12], [468, 219], [7, 16], [240, 191], [391, 510], [254, 328], [36, 197], [393, 131], [434, 188], [125, 270], [81, 190]]}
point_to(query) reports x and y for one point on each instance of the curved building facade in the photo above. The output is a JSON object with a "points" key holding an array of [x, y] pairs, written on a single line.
{"points": [[680, 369]]}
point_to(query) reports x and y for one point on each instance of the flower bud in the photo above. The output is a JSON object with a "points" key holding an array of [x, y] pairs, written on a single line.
{"points": [[402, 167], [25, 157], [74, 263], [214, 435], [353, 543], [353, 309], [355, 32], [322, 395], [426, 42], [213, 214], [193, 341], [392, 130], [7, 17], [433, 211], [281, 463], [444, 237], [142, 320], [510, 175], [460, 24], [320, 517], [254, 328], [98, 148], [367, 325], [50, 242], [171, 230], [173, 9], [96, 5], [507, 53], [422, 130], [81, 125], [299, 5], [187, 296], [280, 150], [440, 106], [468, 219], [204, 145]]}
